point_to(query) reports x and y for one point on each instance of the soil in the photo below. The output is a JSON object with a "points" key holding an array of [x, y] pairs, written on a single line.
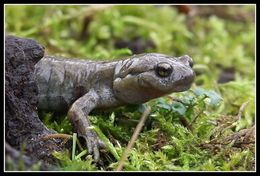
{"points": [[22, 124]]}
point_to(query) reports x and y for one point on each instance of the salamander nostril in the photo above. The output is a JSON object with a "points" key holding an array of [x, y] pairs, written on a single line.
{"points": [[186, 60], [191, 63]]}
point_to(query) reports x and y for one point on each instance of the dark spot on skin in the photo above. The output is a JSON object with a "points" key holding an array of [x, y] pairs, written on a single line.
{"points": [[63, 105], [79, 91]]}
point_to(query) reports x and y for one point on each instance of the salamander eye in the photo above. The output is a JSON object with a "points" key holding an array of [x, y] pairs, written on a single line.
{"points": [[163, 69]]}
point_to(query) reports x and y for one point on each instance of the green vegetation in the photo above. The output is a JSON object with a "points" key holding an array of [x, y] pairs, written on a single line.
{"points": [[209, 127]]}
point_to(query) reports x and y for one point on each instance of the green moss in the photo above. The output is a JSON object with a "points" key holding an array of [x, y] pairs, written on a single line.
{"points": [[176, 132]]}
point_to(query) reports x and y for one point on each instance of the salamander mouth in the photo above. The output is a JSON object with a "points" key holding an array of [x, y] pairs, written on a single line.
{"points": [[179, 86], [184, 84]]}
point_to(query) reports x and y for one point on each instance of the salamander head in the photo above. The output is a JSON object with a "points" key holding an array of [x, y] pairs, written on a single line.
{"points": [[148, 76]]}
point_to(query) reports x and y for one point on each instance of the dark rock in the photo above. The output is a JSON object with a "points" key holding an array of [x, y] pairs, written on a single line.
{"points": [[22, 124], [137, 45], [227, 75]]}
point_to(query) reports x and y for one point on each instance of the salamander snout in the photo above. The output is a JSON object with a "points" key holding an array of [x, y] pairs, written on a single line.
{"points": [[186, 60]]}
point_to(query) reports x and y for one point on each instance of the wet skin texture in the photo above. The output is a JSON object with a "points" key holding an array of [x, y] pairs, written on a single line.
{"points": [[79, 86]]}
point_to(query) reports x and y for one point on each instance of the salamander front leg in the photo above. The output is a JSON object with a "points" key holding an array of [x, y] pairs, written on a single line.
{"points": [[78, 116]]}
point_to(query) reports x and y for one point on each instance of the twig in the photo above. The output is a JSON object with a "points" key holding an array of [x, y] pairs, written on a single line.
{"points": [[66, 137], [178, 100], [185, 123], [89, 15], [133, 138], [241, 109], [195, 118], [238, 116], [50, 136]]}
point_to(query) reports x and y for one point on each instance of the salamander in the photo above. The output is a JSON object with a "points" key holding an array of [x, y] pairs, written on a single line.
{"points": [[76, 86]]}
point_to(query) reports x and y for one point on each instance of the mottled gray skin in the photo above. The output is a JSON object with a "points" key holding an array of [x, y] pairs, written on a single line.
{"points": [[79, 86]]}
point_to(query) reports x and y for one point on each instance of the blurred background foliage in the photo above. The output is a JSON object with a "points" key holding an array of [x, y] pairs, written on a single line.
{"points": [[220, 39]]}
